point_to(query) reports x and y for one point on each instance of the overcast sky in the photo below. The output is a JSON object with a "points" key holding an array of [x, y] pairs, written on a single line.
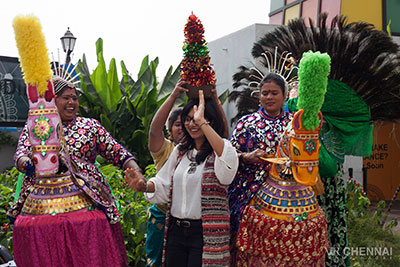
{"points": [[130, 29]]}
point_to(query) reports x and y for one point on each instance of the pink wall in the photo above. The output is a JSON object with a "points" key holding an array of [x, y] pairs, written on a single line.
{"points": [[332, 7], [276, 19], [309, 10]]}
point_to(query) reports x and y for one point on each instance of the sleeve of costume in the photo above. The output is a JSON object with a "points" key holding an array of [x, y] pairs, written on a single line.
{"points": [[108, 148], [24, 147], [162, 181], [226, 165], [240, 135], [161, 156]]}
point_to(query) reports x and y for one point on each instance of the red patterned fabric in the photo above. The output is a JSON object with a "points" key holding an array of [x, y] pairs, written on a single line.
{"points": [[247, 260], [265, 239], [83, 238]]}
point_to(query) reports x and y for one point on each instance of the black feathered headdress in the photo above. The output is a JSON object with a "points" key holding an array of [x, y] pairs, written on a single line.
{"points": [[365, 59]]}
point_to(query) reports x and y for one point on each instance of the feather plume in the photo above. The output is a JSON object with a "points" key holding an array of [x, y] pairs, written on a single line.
{"points": [[313, 78], [32, 50], [364, 58]]}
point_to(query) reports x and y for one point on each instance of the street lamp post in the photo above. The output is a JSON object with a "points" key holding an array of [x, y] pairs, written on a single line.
{"points": [[68, 44]]}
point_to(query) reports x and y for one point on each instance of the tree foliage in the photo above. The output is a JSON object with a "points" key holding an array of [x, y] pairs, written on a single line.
{"points": [[125, 107]]}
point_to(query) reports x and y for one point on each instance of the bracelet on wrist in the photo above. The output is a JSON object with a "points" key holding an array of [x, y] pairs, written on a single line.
{"points": [[204, 123]]}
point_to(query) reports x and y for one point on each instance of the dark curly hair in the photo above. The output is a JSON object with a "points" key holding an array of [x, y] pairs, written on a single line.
{"points": [[214, 116]]}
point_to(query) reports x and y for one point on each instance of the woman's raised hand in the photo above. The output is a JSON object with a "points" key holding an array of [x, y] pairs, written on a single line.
{"points": [[198, 115], [179, 88]]}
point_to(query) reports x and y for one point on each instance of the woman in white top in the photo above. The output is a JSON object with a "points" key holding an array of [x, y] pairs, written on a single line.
{"points": [[194, 182]]}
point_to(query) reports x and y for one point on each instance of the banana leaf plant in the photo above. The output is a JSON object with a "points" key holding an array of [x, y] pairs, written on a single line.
{"points": [[125, 107]]}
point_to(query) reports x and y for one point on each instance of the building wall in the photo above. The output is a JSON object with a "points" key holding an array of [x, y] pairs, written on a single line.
{"points": [[228, 53], [309, 10], [363, 10], [332, 7]]}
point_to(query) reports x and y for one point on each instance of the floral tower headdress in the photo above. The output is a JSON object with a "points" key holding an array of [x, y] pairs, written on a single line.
{"points": [[195, 66]]}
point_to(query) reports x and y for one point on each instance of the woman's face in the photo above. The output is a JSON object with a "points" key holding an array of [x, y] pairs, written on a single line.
{"points": [[176, 130], [67, 104], [193, 129], [271, 98]]}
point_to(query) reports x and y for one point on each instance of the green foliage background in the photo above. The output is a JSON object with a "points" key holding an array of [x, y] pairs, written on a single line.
{"points": [[126, 107], [369, 227]]}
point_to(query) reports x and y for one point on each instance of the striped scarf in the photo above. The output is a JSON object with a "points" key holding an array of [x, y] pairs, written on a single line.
{"points": [[214, 216]]}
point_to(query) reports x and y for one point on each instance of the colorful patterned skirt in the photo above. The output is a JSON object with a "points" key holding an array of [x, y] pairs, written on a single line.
{"points": [[282, 226], [59, 227]]}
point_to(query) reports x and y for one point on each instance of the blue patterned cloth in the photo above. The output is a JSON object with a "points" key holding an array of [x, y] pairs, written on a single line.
{"points": [[155, 237]]}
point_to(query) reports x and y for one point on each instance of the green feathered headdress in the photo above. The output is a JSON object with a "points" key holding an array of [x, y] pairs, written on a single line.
{"points": [[313, 78]]}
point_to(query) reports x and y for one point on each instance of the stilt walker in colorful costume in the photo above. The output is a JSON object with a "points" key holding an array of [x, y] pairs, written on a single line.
{"points": [[283, 224], [363, 87], [66, 214]]}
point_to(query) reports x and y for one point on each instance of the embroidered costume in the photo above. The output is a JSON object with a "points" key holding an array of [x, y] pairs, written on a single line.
{"points": [[65, 214], [85, 139], [360, 90], [283, 224], [254, 131]]}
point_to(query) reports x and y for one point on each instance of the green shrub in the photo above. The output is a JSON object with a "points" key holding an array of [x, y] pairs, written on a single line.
{"points": [[368, 228], [7, 182], [134, 212], [125, 107], [133, 208]]}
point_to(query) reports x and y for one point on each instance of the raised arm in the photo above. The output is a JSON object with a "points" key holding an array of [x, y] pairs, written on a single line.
{"points": [[213, 138], [156, 134]]}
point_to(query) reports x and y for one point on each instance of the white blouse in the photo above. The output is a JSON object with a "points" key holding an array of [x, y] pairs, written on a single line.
{"points": [[186, 197]]}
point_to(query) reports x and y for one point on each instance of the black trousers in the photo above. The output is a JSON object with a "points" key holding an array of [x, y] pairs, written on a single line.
{"points": [[184, 246]]}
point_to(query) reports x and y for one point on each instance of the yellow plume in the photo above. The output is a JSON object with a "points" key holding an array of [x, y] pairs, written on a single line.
{"points": [[32, 50]]}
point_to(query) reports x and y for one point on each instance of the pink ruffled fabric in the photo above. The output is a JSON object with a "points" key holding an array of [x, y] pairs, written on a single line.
{"points": [[73, 239]]}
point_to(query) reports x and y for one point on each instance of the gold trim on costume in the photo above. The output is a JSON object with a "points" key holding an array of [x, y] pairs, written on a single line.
{"points": [[38, 203], [54, 181], [281, 182], [284, 213], [303, 163], [306, 136], [57, 205], [41, 148], [42, 111]]}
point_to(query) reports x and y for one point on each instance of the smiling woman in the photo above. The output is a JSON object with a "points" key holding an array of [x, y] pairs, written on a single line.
{"points": [[66, 102], [256, 136], [194, 182]]}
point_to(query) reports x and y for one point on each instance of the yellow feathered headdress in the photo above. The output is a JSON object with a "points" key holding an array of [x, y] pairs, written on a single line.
{"points": [[32, 50]]}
